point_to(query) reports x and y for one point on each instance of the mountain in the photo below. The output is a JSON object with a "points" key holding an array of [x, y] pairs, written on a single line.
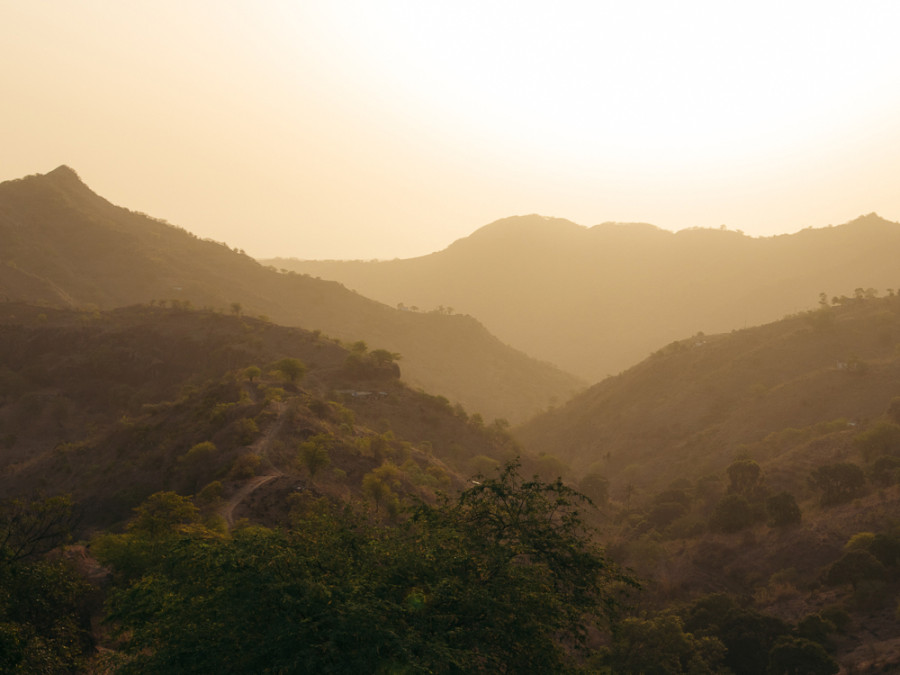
{"points": [[62, 245], [760, 465], [108, 406], [697, 404], [597, 300]]}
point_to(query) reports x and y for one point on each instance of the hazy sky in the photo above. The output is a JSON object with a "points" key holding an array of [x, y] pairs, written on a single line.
{"points": [[339, 129]]}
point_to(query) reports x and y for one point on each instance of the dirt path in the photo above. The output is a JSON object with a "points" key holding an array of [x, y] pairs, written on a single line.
{"points": [[260, 447]]}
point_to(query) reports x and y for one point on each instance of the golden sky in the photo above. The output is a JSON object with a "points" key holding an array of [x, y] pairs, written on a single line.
{"points": [[361, 129]]}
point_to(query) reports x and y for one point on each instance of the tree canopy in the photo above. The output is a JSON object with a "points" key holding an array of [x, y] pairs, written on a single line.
{"points": [[506, 578]]}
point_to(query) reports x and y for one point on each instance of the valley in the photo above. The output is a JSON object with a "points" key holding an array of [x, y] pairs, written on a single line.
{"points": [[274, 472]]}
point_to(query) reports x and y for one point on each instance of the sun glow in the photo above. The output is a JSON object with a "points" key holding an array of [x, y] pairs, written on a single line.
{"points": [[638, 82], [314, 128]]}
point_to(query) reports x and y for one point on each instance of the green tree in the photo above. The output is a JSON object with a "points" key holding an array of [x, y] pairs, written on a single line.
{"points": [[382, 357], [881, 439], [44, 623], [732, 514], [313, 453], [838, 483], [252, 372], [292, 369], [743, 476], [782, 510], [161, 512], [799, 656], [196, 462], [854, 567], [884, 470], [30, 528], [659, 646], [505, 578], [44, 618]]}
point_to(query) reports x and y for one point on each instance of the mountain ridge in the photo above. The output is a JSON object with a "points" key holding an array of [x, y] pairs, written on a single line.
{"points": [[64, 245], [607, 296]]}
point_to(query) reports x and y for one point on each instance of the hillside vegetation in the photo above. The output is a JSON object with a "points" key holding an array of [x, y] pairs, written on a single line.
{"points": [[61, 245], [287, 493], [752, 479], [597, 300], [109, 406]]}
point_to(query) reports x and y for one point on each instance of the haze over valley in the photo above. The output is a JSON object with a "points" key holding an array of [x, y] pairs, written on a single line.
{"points": [[597, 300]]}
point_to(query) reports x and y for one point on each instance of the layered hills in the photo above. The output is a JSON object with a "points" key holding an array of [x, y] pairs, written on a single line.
{"points": [[62, 245], [111, 407], [597, 300]]}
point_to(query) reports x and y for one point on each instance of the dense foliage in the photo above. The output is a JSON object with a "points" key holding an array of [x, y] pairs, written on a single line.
{"points": [[503, 579]]}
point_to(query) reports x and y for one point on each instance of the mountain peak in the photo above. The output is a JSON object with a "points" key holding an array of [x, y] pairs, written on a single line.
{"points": [[532, 224], [65, 176], [63, 171]]}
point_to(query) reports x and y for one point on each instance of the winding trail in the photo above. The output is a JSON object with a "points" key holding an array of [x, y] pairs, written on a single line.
{"points": [[260, 447]]}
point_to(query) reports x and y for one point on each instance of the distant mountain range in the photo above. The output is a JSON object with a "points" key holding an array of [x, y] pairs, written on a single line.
{"points": [[62, 245], [597, 300]]}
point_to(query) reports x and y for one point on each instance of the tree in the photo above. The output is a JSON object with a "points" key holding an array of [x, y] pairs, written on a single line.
{"points": [[743, 477], [161, 512], [382, 357], [44, 618], [29, 529], [197, 461], [252, 372], [732, 514], [881, 439], [659, 646], [505, 578], [782, 510], [236, 308], [799, 656], [313, 453], [838, 483], [293, 369], [855, 567], [885, 470]]}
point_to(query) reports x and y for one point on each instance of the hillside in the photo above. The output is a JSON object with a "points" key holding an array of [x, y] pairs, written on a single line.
{"points": [[62, 245], [107, 406], [696, 404], [597, 300], [754, 476]]}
